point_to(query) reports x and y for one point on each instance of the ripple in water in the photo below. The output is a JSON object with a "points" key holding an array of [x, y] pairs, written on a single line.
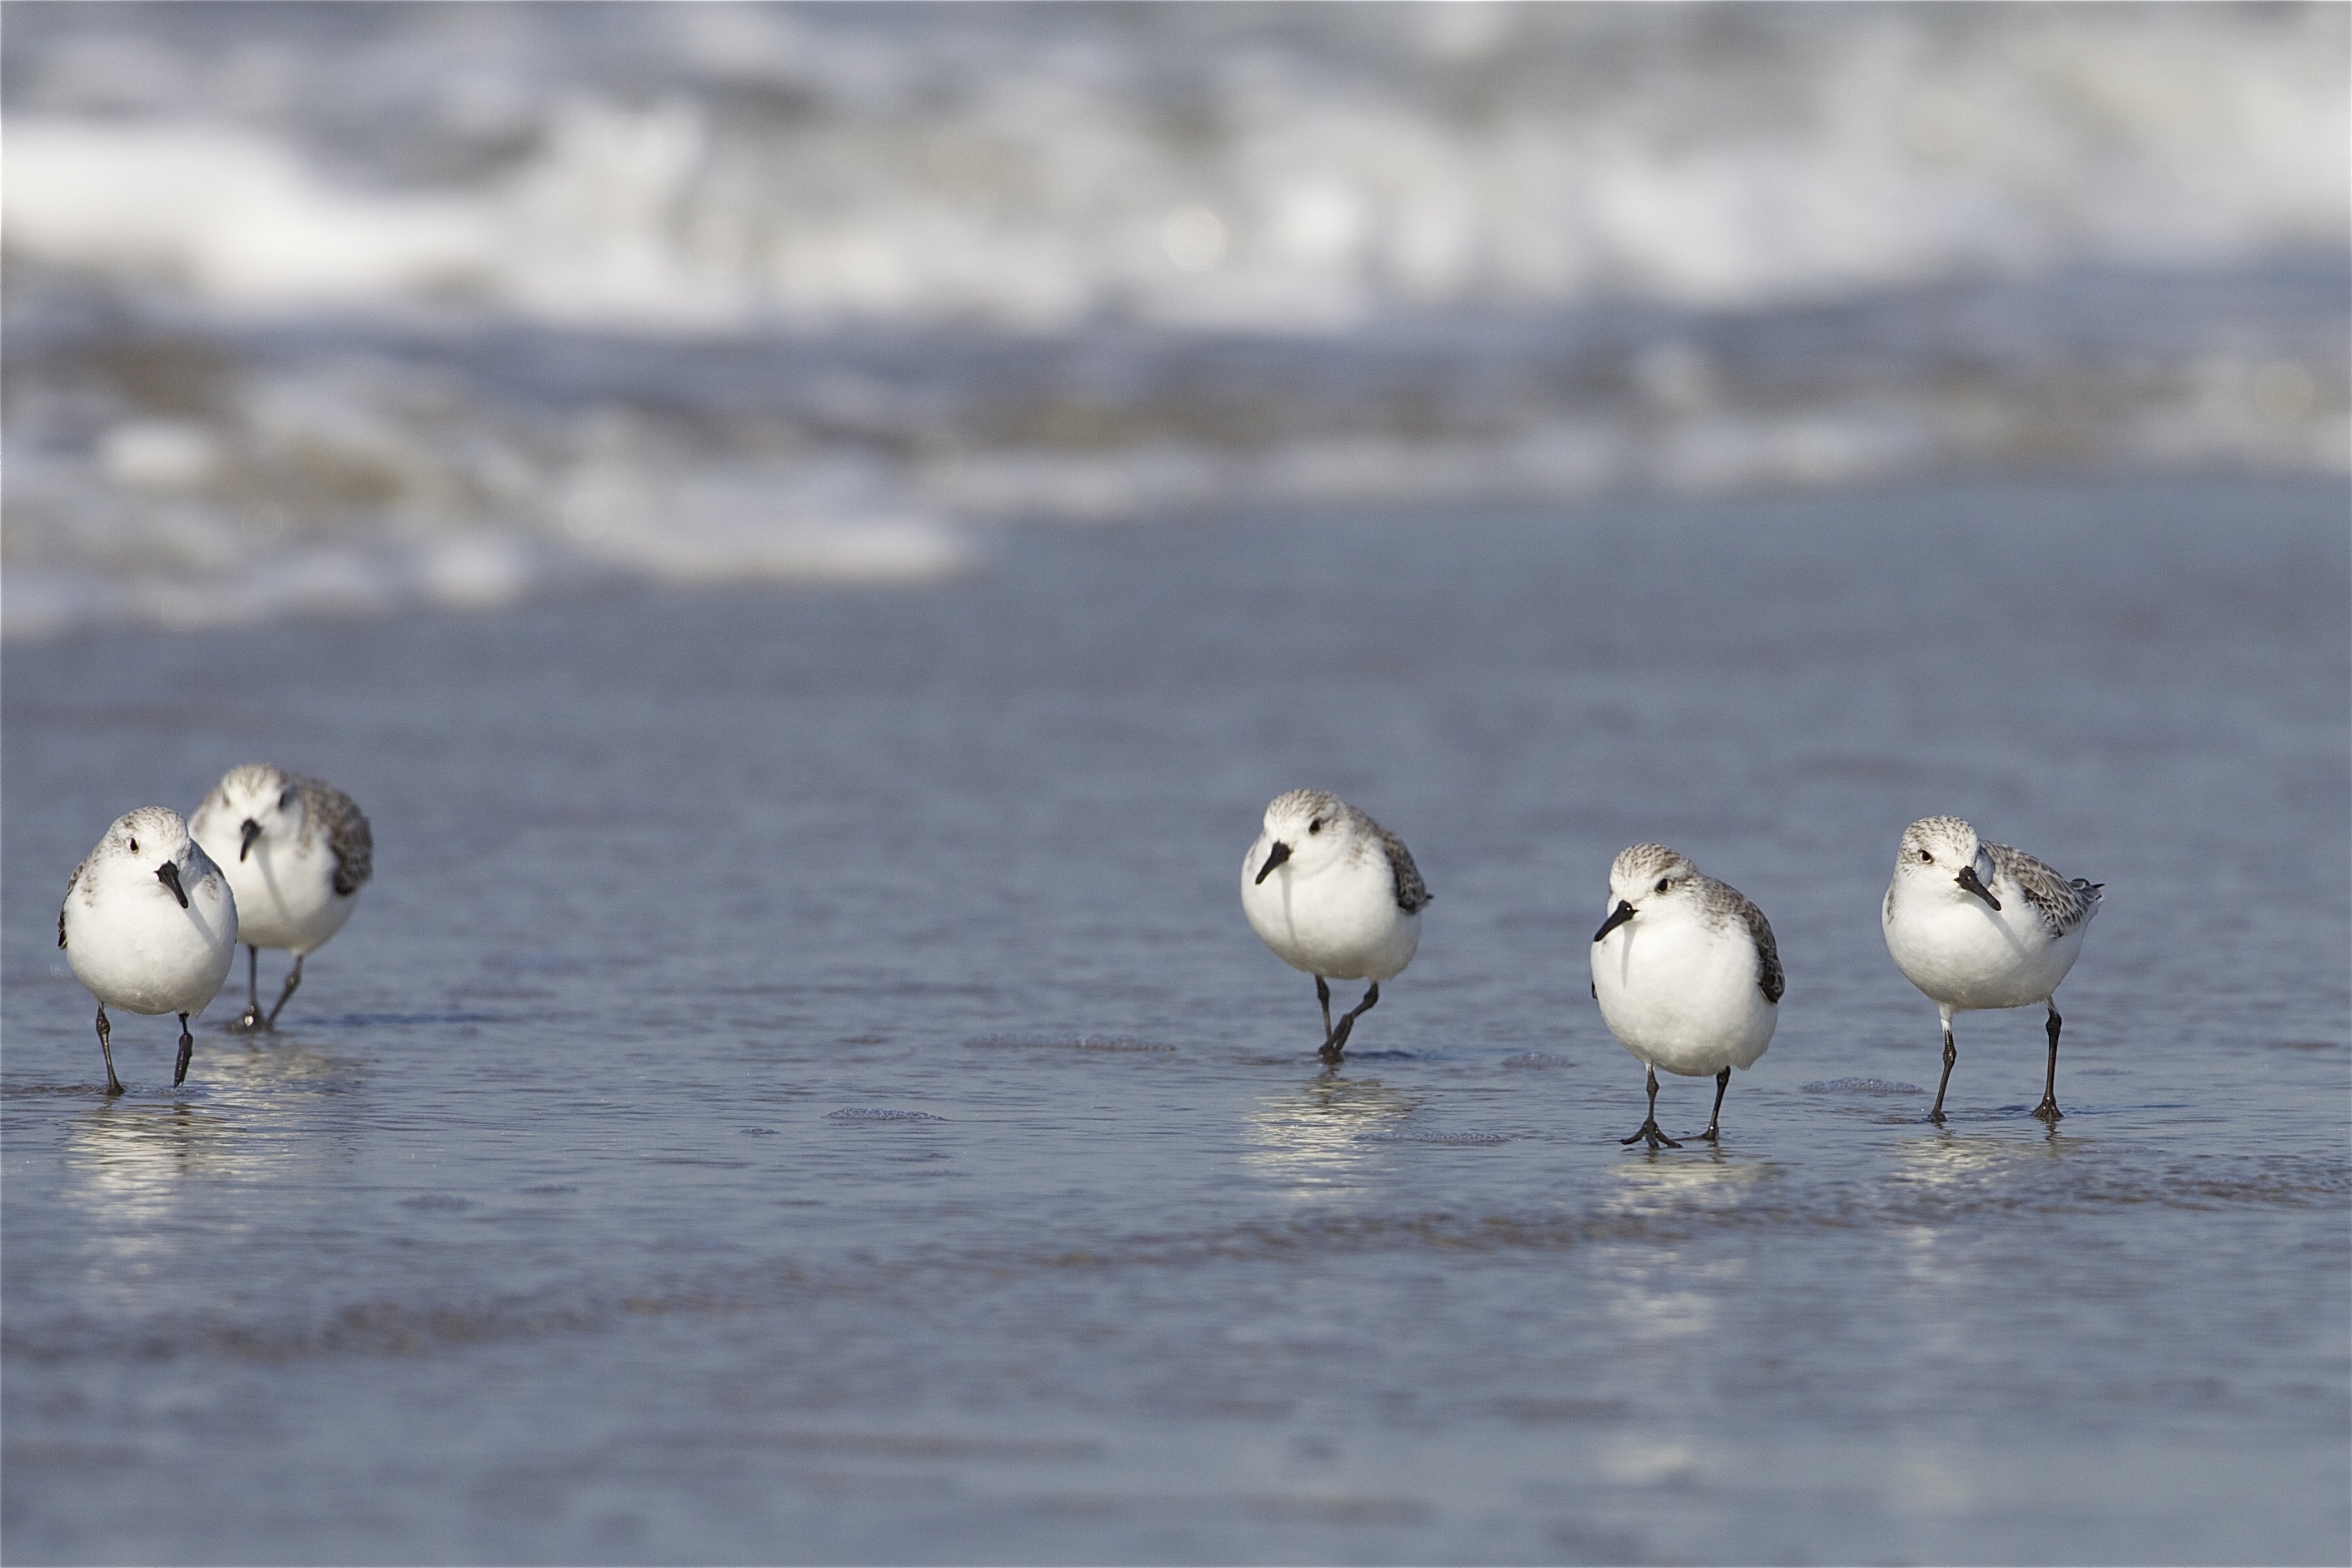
{"points": [[1420, 1136], [1061, 1042]]}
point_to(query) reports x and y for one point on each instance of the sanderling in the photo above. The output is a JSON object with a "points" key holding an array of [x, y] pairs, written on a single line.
{"points": [[1334, 893], [1977, 926], [298, 852], [149, 923], [1687, 974]]}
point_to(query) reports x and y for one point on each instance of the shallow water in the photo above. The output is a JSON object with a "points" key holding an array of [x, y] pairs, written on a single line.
{"points": [[561, 1221]]}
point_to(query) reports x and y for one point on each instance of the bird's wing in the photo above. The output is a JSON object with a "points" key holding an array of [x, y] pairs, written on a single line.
{"points": [[347, 833], [71, 883], [1768, 952], [1411, 892], [2062, 905]]}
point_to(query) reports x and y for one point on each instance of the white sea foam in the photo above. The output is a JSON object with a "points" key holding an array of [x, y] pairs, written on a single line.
{"points": [[367, 488], [799, 295], [232, 214], [819, 168]]}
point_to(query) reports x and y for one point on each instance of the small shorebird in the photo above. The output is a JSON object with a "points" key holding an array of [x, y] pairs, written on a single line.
{"points": [[1979, 925], [298, 852], [148, 924], [1687, 974], [1335, 893]]}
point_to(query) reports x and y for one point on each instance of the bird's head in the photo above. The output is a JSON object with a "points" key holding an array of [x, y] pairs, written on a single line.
{"points": [[255, 803], [1644, 877], [1942, 854], [1305, 830]]}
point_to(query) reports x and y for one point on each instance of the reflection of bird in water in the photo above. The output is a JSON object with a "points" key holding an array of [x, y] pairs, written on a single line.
{"points": [[132, 1155], [1979, 926], [128, 1142], [297, 851], [1687, 974], [1334, 1097], [1335, 893], [1313, 1134], [132, 1161], [148, 924]]}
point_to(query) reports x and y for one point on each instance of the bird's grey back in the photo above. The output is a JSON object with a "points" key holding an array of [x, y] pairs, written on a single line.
{"points": [[328, 809], [1722, 903], [2062, 904], [71, 883], [1404, 877]]}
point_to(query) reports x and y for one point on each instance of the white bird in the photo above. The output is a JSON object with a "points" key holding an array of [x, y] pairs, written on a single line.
{"points": [[148, 924], [1687, 974], [1977, 926], [1335, 893], [297, 851]]}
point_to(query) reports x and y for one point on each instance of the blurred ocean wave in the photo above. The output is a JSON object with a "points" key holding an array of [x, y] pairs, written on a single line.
{"points": [[350, 308]]}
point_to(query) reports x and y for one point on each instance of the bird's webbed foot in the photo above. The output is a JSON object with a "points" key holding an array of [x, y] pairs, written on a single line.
{"points": [[1650, 1131]]}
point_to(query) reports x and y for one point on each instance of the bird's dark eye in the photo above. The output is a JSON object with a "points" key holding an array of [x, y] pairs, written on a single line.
{"points": [[286, 798], [134, 846], [1663, 883], [1316, 826], [1928, 856]]}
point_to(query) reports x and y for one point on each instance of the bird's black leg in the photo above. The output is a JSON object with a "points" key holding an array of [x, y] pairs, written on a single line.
{"points": [[293, 980], [1323, 995], [187, 1049], [1951, 1054], [250, 1018], [1722, 1083], [1338, 1040], [1649, 1128], [2048, 1109], [105, 1050]]}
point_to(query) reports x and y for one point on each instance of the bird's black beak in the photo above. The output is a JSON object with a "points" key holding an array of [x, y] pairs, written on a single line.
{"points": [[168, 873], [1969, 880], [251, 830], [1281, 853], [1617, 916]]}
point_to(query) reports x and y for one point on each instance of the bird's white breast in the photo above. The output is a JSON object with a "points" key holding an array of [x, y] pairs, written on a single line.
{"points": [[137, 949], [1963, 953], [286, 893], [1682, 993], [1340, 921]]}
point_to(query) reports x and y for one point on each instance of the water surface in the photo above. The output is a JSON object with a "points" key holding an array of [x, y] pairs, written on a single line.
{"points": [[801, 1087]]}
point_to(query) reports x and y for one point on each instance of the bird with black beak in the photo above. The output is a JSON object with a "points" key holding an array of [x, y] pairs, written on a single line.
{"points": [[1336, 894], [149, 926], [1979, 925], [297, 850]]}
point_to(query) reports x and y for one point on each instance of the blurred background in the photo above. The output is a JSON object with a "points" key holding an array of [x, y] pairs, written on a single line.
{"points": [[814, 532], [340, 309]]}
